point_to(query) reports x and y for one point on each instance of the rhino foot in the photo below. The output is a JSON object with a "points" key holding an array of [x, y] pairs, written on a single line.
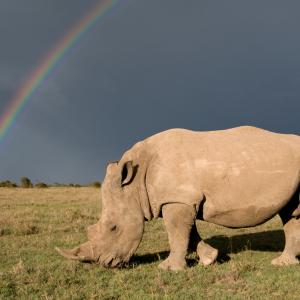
{"points": [[207, 254], [170, 264], [285, 260]]}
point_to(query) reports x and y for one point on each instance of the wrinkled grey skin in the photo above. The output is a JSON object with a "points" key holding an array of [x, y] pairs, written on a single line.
{"points": [[239, 177], [116, 236]]}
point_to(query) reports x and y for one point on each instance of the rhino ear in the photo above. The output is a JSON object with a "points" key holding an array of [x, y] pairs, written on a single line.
{"points": [[111, 167], [127, 173]]}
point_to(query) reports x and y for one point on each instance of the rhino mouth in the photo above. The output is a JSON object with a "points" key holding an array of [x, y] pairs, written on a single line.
{"points": [[110, 261]]}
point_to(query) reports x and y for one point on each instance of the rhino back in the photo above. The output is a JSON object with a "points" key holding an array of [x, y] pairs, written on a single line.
{"points": [[242, 176]]}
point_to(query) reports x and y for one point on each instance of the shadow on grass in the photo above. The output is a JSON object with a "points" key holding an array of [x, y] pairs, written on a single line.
{"points": [[158, 256], [270, 241], [149, 257]]}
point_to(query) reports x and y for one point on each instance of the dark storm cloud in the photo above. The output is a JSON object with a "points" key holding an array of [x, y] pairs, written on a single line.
{"points": [[150, 66]]}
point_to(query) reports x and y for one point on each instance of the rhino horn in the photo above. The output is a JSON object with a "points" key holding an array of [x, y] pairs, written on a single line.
{"points": [[83, 253]]}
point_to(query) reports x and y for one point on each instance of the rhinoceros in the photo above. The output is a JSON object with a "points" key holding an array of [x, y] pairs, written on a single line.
{"points": [[239, 177]]}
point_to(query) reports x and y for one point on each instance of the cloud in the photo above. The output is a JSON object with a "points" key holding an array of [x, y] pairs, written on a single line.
{"points": [[149, 66]]}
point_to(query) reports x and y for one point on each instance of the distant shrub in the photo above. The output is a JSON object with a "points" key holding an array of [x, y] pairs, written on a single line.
{"points": [[41, 185], [26, 183], [74, 185], [8, 184], [96, 184]]}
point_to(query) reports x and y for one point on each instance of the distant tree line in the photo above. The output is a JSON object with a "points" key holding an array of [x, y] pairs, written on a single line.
{"points": [[26, 183]]}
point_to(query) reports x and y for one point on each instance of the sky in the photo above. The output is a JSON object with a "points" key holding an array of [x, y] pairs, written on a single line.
{"points": [[145, 67]]}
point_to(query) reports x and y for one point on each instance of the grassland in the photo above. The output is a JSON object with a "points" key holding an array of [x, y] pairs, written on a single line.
{"points": [[34, 221]]}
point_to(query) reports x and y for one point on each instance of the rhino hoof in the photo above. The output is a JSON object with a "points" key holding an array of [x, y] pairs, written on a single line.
{"points": [[207, 254], [285, 260], [169, 265]]}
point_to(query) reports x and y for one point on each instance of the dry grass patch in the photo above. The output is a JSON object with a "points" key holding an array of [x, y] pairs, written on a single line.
{"points": [[34, 221]]}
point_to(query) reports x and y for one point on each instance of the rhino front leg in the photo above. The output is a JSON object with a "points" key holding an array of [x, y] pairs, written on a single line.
{"points": [[179, 219]]}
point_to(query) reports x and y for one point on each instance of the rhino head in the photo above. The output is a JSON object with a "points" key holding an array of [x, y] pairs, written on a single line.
{"points": [[116, 236]]}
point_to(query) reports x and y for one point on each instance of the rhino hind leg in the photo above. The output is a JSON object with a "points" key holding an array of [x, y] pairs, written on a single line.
{"points": [[291, 226], [206, 253]]}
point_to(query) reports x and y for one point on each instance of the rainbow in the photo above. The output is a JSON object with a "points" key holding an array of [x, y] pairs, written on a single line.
{"points": [[49, 63]]}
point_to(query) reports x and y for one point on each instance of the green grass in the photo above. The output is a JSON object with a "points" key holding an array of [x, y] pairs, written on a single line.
{"points": [[34, 221]]}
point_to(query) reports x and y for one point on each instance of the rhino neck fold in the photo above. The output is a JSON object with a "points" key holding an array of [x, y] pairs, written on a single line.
{"points": [[141, 158]]}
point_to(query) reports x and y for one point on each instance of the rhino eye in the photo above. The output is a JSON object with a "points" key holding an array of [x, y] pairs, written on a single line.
{"points": [[113, 228]]}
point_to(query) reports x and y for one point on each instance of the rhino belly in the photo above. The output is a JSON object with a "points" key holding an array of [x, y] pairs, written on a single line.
{"points": [[239, 217], [240, 203]]}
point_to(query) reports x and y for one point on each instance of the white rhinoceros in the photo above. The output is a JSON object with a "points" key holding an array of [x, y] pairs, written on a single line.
{"points": [[239, 177]]}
